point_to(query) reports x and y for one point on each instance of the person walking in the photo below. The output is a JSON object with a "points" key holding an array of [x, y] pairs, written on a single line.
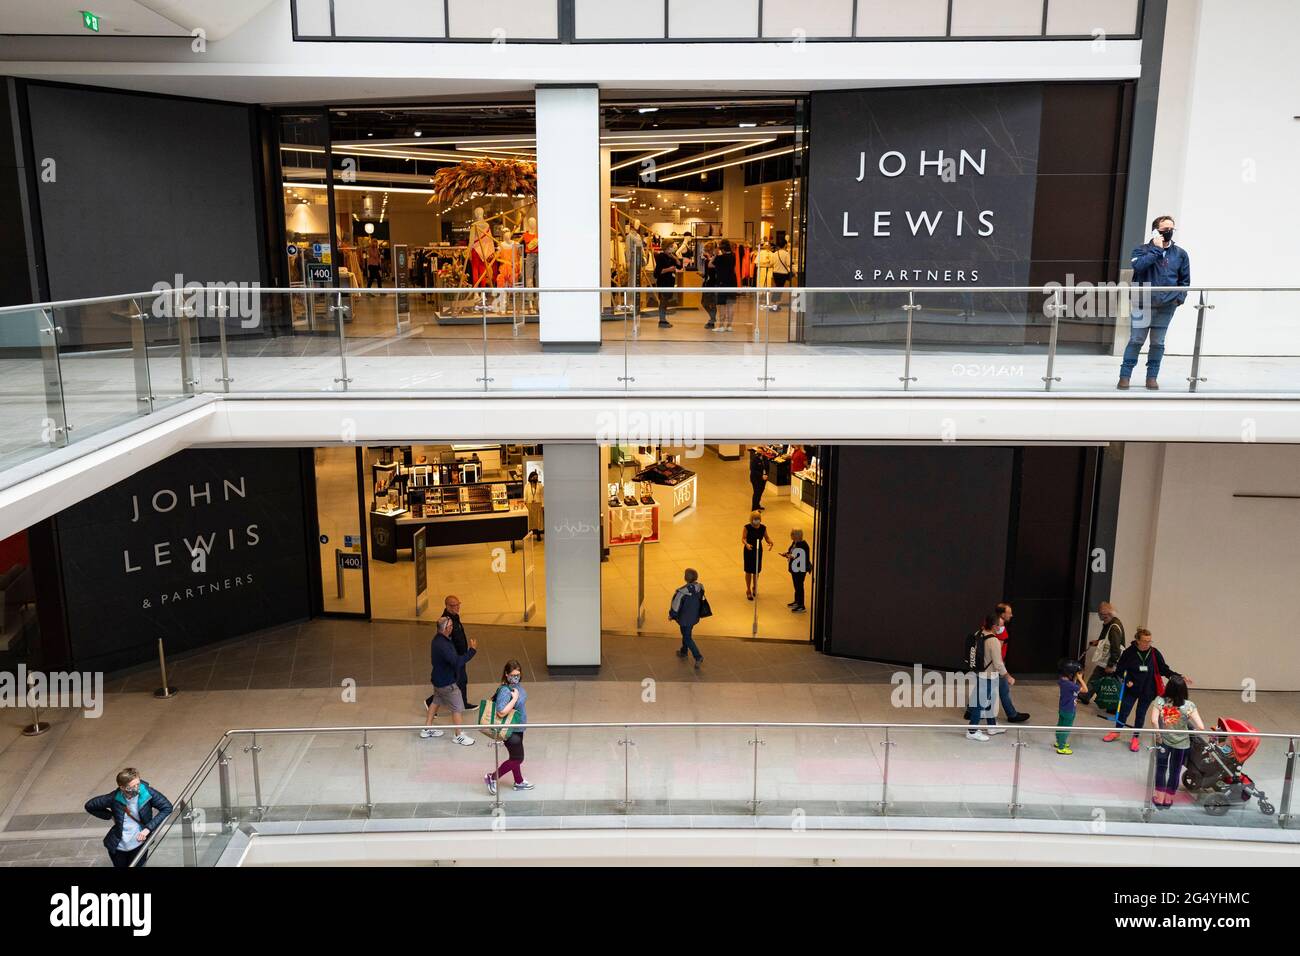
{"points": [[687, 603], [666, 267], [447, 665], [799, 560], [1157, 266], [1112, 635], [986, 663], [1172, 714], [757, 478], [136, 809], [510, 697], [1070, 683], [459, 640], [535, 499], [708, 300], [1143, 671], [1004, 687], [752, 536]]}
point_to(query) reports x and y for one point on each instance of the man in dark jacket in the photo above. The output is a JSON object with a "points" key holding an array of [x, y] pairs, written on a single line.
{"points": [[451, 609], [136, 810], [1137, 668], [1112, 635], [447, 665], [1157, 266], [685, 610], [757, 477]]}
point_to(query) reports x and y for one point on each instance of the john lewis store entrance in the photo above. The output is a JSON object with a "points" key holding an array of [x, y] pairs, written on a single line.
{"points": [[401, 527]]}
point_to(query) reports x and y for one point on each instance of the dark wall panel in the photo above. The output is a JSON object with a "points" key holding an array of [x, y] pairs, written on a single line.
{"points": [[126, 554], [146, 187], [920, 549]]}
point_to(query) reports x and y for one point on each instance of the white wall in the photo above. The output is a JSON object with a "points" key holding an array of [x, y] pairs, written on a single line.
{"points": [[1227, 147], [1214, 577], [573, 498]]}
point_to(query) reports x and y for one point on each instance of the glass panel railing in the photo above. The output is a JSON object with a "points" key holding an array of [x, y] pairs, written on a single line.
{"points": [[32, 418], [390, 778], [979, 341], [696, 338], [1247, 341], [841, 340], [103, 367]]}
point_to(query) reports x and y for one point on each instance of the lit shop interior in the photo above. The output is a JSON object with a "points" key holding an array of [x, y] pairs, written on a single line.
{"points": [[684, 177], [401, 527], [427, 197], [446, 197]]}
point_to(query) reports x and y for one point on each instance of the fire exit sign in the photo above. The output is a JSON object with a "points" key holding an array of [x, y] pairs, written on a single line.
{"points": [[90, 20]]}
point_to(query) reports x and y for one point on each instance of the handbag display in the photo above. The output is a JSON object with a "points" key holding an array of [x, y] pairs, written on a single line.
{"points": [[501, 728]]}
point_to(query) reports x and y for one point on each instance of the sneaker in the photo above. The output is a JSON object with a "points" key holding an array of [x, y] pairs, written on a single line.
{"points": [[428, 732], [698, 662], [1064, 751], [792, 604], [1133, 745], [665, 325], [1020, 718], [463, 740], [976, 735], [524, 786], [681, 652], [994, 731], [798, 610], [1113, 735], [491, 782]]}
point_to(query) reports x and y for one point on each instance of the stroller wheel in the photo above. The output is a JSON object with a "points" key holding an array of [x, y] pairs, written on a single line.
{"points": [[1266, 808], [1216, 805]]}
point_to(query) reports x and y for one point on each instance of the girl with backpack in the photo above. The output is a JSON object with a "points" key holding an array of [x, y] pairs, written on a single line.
{"points": [[510, 697], [1173, 715]]}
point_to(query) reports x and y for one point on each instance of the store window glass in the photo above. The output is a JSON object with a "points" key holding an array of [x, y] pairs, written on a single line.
{"points": [[307, 249], [338, 519], [682, 178], [669, 508], [437, 197], [462, 519]]}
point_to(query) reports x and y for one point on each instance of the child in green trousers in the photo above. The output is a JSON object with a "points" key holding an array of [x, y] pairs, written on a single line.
{"points": [[1070, 681]]}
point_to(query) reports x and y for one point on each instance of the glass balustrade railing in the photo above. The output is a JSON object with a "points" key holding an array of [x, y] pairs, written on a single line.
{"points": [[73, 369], [334, 779]]}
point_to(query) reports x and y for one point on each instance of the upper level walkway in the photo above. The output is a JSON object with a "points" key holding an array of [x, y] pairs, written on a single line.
{"points": [[84, 382]]}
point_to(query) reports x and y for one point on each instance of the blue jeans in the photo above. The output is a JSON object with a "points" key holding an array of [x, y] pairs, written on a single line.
{"points": [[1160, 317], [981, 701], [688, 643], [1004, 694]]}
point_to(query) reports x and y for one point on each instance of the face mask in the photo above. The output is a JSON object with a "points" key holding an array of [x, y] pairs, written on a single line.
{"points": [[1167, 234], [133, 792], [514, 679]]}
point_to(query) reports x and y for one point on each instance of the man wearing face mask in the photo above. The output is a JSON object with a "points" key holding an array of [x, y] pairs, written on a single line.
{"points": [[1157, 266], [136, 810]]}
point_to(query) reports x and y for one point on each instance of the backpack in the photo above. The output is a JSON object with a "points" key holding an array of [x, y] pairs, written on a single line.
{"points": [[975, 662]]}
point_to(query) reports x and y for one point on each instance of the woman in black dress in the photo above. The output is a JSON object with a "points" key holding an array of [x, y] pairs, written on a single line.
{"points": [[752, 536], [724, 272]]}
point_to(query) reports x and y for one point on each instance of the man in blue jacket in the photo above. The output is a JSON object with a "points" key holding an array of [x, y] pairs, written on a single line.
{"points": [[1157, 266], [447, 666], [136, 810]]}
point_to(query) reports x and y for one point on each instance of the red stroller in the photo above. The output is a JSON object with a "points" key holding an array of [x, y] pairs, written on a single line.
{"points": [[1214, 768]]}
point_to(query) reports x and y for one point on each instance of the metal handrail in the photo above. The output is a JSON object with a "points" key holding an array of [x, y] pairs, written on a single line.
{"points": [[227, 738], [413, 290]]}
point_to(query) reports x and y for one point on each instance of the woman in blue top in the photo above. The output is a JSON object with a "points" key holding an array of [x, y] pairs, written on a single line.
{"points": [[510, 697]]}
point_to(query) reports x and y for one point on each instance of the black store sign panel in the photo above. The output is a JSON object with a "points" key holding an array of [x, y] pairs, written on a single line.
{"points": [[920, 187], [206, 545]]}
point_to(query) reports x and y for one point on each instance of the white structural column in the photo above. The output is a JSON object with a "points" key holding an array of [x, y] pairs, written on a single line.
{"points": [[569, 216], [573, 496]]}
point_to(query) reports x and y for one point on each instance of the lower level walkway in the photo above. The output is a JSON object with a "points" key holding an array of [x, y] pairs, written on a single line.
{"points": [[294, 677]]}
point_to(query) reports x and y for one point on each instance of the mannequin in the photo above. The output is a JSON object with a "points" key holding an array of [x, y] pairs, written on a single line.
{"points": [[507, 266], [530, 245], [481, 249]]}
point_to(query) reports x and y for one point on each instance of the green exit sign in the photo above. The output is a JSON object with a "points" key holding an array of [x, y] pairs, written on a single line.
{"points": [[90, 20]]}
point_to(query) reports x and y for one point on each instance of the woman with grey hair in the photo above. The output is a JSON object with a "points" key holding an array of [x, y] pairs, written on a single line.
{"points": [[799, 561]]}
